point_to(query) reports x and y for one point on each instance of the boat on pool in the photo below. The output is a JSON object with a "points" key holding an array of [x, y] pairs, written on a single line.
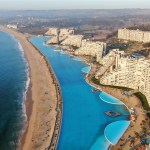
{"points": [[95, 90], [112, 113]]}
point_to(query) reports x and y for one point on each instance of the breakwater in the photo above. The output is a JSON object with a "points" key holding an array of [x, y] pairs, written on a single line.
{"points": [[59, 108]]}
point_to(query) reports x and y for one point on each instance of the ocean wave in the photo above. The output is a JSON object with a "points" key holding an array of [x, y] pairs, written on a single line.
{"points": [[27, 82], [17, 123], [26, 87]]}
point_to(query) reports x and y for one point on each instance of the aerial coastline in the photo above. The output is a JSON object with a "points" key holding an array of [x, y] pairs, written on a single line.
{"points": [[87, 96], [129, 102], [75, 75], [30, 139], [42, 98], [84, 50], [53, 41]]}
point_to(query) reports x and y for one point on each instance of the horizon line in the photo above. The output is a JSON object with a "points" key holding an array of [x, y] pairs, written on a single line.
{"points": [[73, 9]]}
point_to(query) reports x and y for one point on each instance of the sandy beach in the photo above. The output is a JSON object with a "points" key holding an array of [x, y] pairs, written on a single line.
{"points": [[42, 98]]}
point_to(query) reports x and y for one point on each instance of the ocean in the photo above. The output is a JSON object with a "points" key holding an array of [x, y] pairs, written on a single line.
{"points": [[13, 86], [84, 117]]}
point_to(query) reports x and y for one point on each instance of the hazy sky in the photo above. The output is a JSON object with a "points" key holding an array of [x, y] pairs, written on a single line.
{"points": [[73, 4]]}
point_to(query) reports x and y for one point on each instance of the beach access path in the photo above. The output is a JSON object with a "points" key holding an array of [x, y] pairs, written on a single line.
{"points": [[41, 101]]}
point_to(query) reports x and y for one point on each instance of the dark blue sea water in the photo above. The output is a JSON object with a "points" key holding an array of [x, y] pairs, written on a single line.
{"points": [[13, 79], [84, 119]]}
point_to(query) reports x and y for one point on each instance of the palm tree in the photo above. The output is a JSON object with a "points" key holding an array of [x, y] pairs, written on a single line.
{"points": [[143, 121], [137, 135], [144, 129]]}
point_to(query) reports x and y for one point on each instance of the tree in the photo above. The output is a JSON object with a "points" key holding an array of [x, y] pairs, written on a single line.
{"points": [[137, 135]]}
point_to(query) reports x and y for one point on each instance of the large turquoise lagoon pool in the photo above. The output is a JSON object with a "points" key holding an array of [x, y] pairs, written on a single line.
{"points": [[84, 119]]}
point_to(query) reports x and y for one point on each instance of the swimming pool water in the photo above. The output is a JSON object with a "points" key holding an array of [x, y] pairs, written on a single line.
{"points": [[84, 119]]}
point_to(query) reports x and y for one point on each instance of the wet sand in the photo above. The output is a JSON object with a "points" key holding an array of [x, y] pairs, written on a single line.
{"points": [[42, 99]]}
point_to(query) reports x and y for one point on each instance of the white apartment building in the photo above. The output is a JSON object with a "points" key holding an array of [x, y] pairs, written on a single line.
{"points": [[73, 40], [132, 73], [134, 35], [90, 48], [13, 26]]}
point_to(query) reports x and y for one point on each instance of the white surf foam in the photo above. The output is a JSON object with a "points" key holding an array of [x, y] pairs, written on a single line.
{"points": [[26, 86]]}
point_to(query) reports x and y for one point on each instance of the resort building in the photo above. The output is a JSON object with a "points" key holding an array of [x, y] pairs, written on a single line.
{"points": [[73, 40], [53, 40], [52, 32], [90, 48], [108, 62], [61, 32], [66, 32], [134, 35], [127, 72], [80, 45], [13, 26], [59, 35]]}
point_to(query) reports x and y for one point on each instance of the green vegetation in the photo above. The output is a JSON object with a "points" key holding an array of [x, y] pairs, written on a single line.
{"points": [[141, 96], [94, 60], [112, 35], [94, 80], [122, 45], [144, 102], [146, 44], [74, 47]]}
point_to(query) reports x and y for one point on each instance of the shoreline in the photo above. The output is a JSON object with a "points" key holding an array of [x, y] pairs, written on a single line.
{"points": [[42, 99], [28, 107], [127, 132], [128, 102], [27, 95], [99, 87], [57, 128], [86, 61], [58, 115], [28, 103]]}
